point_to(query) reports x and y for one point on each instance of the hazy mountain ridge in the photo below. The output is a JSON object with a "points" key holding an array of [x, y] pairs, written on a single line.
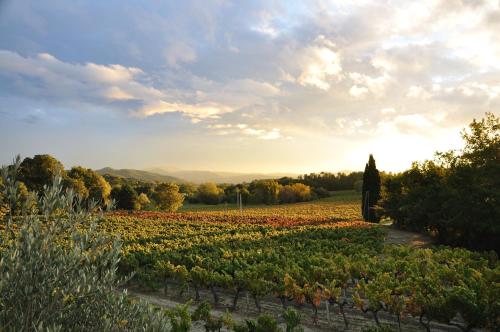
{"points": [[179, 176], [219, 177], [139, 175]]}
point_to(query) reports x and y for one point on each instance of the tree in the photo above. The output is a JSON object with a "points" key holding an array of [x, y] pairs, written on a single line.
{"points": [[98, 188], [265, 191], [38, 171], [168, 197], [189, 191], [370, 191], [209, 193], [454, 197], [58, 274], [144, 201], [296, 192], [126, 198], [77, 185]]}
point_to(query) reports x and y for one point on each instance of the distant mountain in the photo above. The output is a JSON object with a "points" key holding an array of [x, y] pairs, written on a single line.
{"points": [[180, 176], [139, 175], [218, 177]]}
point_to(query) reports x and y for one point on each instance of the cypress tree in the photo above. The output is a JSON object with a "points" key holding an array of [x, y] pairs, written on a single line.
{"points": [[370, 191]]}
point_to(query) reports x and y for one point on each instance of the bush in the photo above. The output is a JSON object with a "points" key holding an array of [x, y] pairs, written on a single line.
{"points": [[296, 192], [264, 323], [209, 193], [126, 198], [321, 192], [264, 192], [58, 273], [98, 188], [168, 197], [292, 320]]}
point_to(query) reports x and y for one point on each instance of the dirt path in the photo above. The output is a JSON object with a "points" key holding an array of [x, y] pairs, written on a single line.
{"points": [[328, 319], [397, 236]]}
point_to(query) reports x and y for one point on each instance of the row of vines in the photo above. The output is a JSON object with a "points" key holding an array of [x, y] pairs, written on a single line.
{"points": [[343, 264]]}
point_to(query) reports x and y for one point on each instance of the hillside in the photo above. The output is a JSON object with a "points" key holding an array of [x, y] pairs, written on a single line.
{"points": [[218, 177], [139, 175]]}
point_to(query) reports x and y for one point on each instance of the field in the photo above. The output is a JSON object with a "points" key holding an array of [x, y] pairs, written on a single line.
{"points": [[316, 256]]}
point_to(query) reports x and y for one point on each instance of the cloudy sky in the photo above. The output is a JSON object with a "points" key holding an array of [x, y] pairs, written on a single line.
{"points": [[294, 86]]}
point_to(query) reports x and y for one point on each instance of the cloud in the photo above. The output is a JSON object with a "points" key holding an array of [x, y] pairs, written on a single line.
{"points": [[44, 76], [388, 110], [257, 70], [92, 85], [407, 124], [364, 83], [179, 52], [321, 64], [357, 91], [244, 129], [416, 91], [195, 111]]}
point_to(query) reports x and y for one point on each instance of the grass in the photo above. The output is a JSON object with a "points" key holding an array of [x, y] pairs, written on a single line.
{"points": [[343, 196]]}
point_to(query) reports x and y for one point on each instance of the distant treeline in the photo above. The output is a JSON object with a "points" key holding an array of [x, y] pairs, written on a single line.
{"points": [[131, 194], [36, 173], [272, 191]]}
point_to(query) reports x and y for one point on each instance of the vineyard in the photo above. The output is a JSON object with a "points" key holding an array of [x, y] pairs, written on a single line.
{"points": [[310, 255]]}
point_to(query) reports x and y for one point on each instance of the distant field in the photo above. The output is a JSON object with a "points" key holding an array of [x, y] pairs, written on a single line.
{"points": [[334, 204]]}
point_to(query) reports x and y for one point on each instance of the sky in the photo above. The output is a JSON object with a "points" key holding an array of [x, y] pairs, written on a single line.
{"points": [[244, 86]]}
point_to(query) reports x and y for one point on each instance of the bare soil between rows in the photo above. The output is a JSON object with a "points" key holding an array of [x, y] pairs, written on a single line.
{"points": [[328, 320]]}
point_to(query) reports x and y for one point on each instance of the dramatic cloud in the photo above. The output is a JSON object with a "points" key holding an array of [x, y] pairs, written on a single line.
{"points": [[296, 85]]}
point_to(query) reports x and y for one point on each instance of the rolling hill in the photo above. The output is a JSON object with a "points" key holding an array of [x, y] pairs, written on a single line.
{"points": [[218, 177], [180, 176], [139, 175]]}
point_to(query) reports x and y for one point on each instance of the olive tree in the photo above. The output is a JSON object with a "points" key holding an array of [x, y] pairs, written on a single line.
{"points": [[58, 272]]}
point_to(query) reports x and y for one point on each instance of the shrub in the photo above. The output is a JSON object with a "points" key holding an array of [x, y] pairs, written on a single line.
{"points": [[296, 192], [209, 193], [264, 192], [168, 197], [58, 273], [126, 197], [292, 320]]}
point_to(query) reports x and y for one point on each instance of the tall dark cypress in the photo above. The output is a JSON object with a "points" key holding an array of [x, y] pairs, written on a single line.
{"points": [[371, 191]]}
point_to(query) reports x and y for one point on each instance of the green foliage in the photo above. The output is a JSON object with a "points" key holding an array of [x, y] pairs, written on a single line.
{"points": [[310, 264], [456, 197], [370, 191], [212, 324], [209, 193], [180, 320], [58, 273], [189, 190], [125, 197], [264, 192], [264, 323], [144, 201], [320, 193], [296, 192], [168, 197], [330, 181], [381, 328], [39, 171], [292, 320], [78, 187], [98, 188]]}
